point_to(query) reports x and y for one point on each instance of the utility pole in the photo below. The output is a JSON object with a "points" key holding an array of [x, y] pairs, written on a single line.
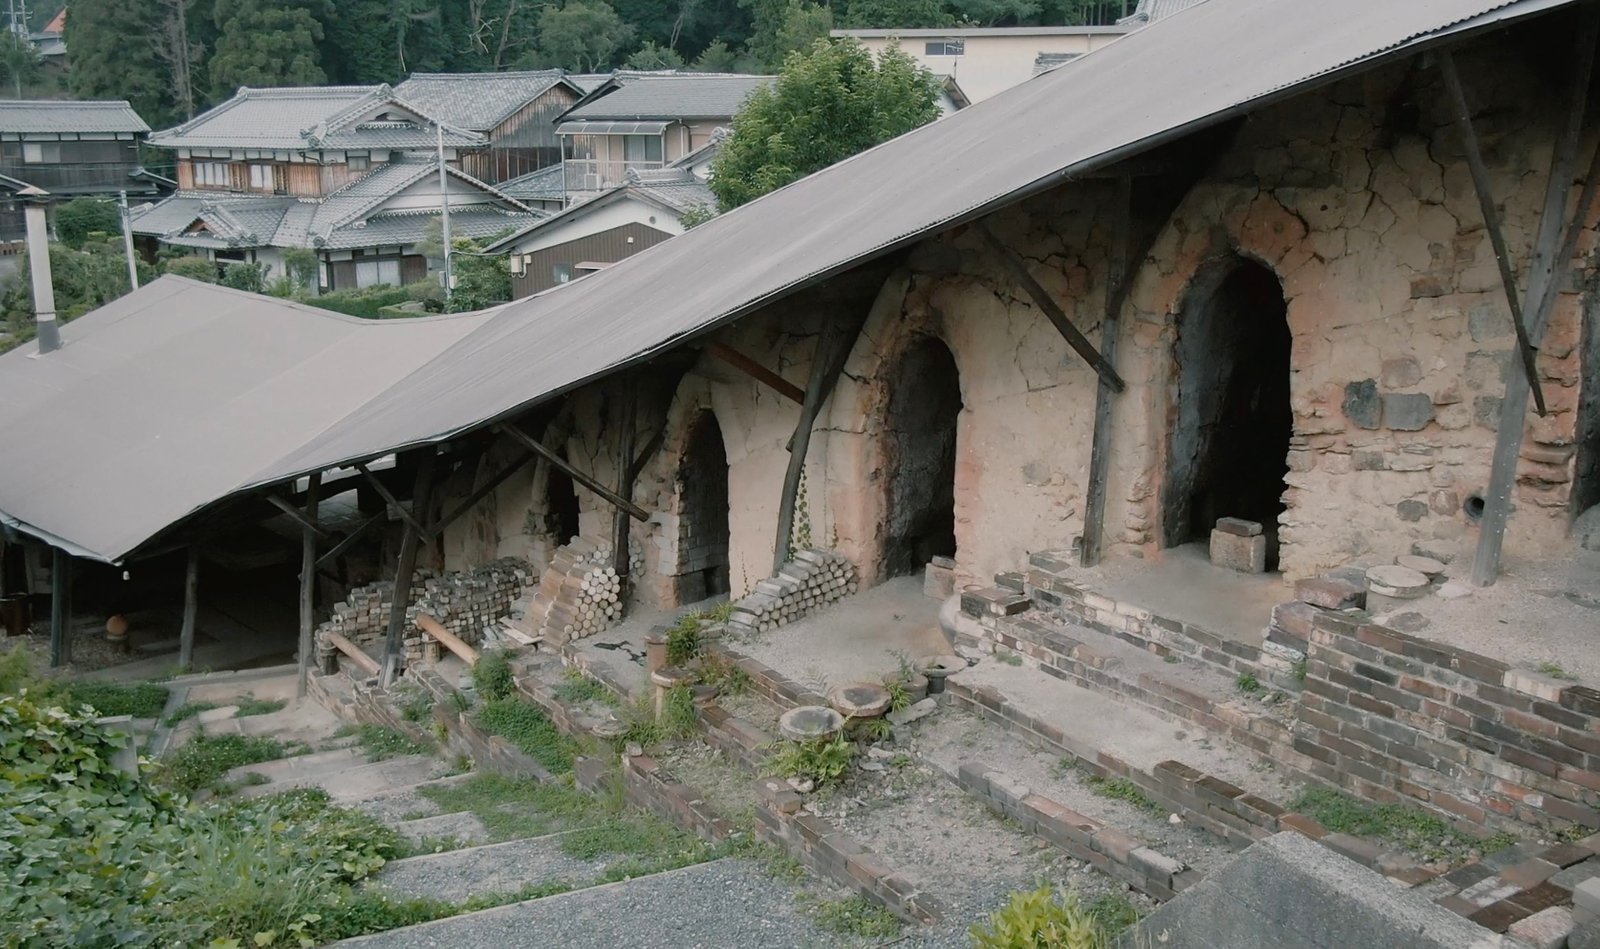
{"points": [[444, 204], [127, 241]]}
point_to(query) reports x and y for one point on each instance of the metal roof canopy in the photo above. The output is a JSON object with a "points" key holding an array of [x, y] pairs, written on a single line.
{"points": [[1157, 85], [611, 128]]}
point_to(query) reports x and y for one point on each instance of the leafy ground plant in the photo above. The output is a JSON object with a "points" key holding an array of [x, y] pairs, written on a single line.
{"points": [[523, 724], [576, 688], [683, 639], [823, 760], [1122, 789], [856, 916], [202, 761], [492, 677], [1045, 918], [1411, 827], [381, 742], [141, 700]]}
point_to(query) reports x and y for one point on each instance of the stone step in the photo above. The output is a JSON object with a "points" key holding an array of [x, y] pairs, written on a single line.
{"points": [[345, 773], [1183, 692], [461, 826], [728, 902], [394, 803], [455, 875]]}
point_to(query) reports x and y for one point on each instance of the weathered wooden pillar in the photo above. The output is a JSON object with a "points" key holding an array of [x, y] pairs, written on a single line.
{"points": [[1094, 507], [620, 528], [407, 566], [60, 607], [191, 610], [308, 582]]}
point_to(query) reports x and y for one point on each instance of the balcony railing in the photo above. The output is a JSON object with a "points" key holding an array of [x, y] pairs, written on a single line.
{"points": [[89, 176], [598, 174]]}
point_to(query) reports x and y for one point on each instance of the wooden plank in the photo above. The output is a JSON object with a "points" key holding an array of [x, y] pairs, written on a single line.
{"points": [[1117, 283], [308, 583], [1043, 301], [447, 639], [482, 492], [60, 607], [1491, 219], [611, 496], [405, 569], [191, 610], [296, 514], [757, 372], [1546, 276], [393, 502], [356, 653]]}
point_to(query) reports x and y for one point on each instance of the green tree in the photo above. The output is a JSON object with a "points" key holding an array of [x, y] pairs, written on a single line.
{"points": [[262, 44], [716, 57], [19, 60], [903, 14], [651, 56], [82, 216], [994, 12], [826, 105], [110, 56], [195, 268], [482, 280], [83, 279], [583, 36], [782, 27]]}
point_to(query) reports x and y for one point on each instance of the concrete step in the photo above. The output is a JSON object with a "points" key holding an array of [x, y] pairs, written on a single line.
{"points": [[461, 826], [345, 773], [714, 905], [394, 803], [455, 875]]}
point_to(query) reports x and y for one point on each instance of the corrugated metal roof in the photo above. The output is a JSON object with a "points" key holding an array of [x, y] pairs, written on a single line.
{"points": [[1212, 62], [668, 96], [50, 115], [243, 379], [155, 417], [477, 101]]}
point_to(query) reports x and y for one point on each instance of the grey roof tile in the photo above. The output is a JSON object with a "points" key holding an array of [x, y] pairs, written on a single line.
{"points": [[60, 116], [409, 227], [265, 118], [670, 96], [541, 185], [476, 101]]}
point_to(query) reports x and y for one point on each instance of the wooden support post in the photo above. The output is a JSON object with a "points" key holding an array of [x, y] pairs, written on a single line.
{"points": [[411, 518], [628, 409], [634, 510], [1546, 276], [191, 610], [308, 583], [1118, 279], [1491, 219], [757, 372], [482, 492], [1045, 302], [60, 607], [395, 643], [355, 535]]}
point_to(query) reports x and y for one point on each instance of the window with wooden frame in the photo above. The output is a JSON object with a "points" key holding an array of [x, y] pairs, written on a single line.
{"points": [[211, 174]]}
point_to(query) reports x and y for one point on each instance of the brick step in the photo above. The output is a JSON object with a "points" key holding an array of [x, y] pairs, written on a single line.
{"points": [[1186, 692]]}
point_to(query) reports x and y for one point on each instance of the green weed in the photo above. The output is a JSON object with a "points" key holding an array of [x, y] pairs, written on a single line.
{"points": [[855, 916], [576, 688], [381, 741], [492, 677], [254, 706], [1409, 826], [722, 612], [1555, 671], [1247, 683], [523, 724], [1122, 789], [141, 700], [1009, 658], [823, 760], [684, 639], [1300, 670], [186, 711], [202, 761]]}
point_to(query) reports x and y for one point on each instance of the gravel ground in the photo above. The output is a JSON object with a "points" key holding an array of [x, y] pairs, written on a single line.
{"points": [[717, 905], [478, 871], [462, 827], [405, 803]]}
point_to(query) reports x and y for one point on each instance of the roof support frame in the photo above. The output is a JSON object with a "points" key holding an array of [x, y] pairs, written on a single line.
{"points": [[1549, 271], [583, 478], [758, 372], [410, 517]]}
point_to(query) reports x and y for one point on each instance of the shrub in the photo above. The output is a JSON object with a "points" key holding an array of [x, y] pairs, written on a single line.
{"points": [[524, 725], [195, 268], [823, 760], [491, 676], [365, 302], [82, 216], [683, 639], [250, 277], [1040, 919]]}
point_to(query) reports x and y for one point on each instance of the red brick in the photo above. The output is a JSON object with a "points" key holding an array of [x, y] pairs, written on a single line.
{"points": [[1497, 917], [1458, 807], [1304, 825], [1540, 897], [1115, 844]]}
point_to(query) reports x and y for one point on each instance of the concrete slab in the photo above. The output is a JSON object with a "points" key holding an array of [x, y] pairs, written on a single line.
{"points": [[455, 875], [1183, 584], [462, 826], [344, 773], [858, 638]]}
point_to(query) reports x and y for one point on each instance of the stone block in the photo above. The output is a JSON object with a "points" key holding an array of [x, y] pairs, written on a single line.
{"points": [[1361, 404], [1546, 929], [1407, 411], [1238, 526], [1582, 699], [1294, 618], [939, 582], [1245, 554], [1535, 684], [1586, 896], [1411, 510], [1330, 593], [1401, 372]]}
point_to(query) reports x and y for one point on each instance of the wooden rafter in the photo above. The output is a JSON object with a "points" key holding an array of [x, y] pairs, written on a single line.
{"points": [[758, 372]]}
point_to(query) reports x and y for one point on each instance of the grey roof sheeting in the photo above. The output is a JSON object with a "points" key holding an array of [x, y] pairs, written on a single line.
{"points": [[49, 115], [610, 128], [244, 379], [1212, 61], [639, 96], [61, 472], [477, 101]]}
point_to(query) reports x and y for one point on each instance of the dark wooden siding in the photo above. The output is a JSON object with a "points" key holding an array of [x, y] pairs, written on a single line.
{"points": [[524, 142], [604, 247]]}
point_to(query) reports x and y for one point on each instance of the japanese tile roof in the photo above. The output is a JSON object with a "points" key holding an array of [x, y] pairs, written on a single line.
{"points": [[310, 117], [668, 95], [50, 115], [410, 227], [477, 101], [543, 185], [674, 187]]}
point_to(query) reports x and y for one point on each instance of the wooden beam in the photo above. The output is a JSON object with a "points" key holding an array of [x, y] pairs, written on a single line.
{"points": [[308, 583], [447, 639], [60, 607], [191, 610], [296, 514], [355, 535], [538, 447], [1043, 300], [482, 492], [391, 500], [757, 372], [1491, 219], [405, 568], [629, 408], [1546, 277], [356, 654], [1118, 279]]}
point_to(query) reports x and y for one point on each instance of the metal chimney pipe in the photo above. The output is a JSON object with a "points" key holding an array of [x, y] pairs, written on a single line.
{"points": [[44, 291]]}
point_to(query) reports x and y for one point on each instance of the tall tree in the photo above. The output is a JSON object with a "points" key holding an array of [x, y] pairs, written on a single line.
{"points": [[995, 12], [651, 56], [181, 55], [111, 57], [826, 105], [19, 60], [782, 27], [904, 14], [263, 44], [583, 36]]}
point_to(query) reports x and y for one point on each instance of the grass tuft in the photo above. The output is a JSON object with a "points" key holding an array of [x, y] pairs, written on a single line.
{"points": [[576, 688], [381, 742], [253, 706], [1122, 789], [855, 916], [1247, 683], [141, 700], [1409, 826], [523, 724], [201, 762]]}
